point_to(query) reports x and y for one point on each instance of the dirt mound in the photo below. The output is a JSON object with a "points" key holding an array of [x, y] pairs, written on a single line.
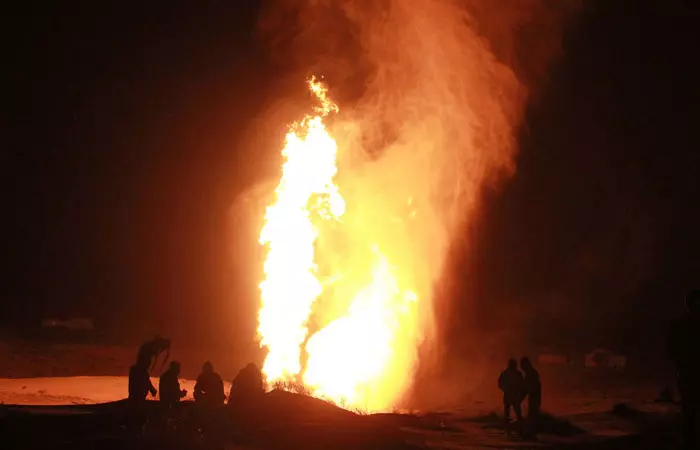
{"points": [[286, 420], [304, 405]]}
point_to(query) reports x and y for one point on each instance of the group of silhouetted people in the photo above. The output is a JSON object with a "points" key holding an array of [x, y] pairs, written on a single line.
{"points": [[208, 390], [517, 386], [684, 348], [516, 383]]}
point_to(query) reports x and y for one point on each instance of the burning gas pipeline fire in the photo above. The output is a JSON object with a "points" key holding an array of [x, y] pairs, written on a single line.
{"points": [[356, 238], [370, 201], [352, 358]]}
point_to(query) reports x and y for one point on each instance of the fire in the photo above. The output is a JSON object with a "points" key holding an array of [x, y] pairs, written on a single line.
{"points": [[291, 286], [336, 314], [372, 204]]}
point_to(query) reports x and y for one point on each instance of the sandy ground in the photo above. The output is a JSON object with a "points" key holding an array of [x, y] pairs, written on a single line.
{"points": [[559, 400], [72, 390], [581, 421], [579, 405]]}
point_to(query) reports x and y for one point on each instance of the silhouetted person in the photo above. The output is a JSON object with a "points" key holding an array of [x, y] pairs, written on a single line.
{"points": [[533, 391], [247, 386], [140, 382], [169, 386], [512, 384], [533, 387], [685, 352], [209, 389], [139, 387], [151, 351]]}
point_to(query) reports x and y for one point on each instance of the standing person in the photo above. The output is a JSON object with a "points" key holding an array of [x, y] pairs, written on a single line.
{"points": [[140, 382], [209, 389], [684, 347], [533, 391], [169, 386], [512, 384], [139, 387]]}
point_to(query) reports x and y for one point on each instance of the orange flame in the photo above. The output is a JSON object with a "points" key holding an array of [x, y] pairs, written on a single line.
{"points": [[357, 358], [351, 281], [290, 286]]}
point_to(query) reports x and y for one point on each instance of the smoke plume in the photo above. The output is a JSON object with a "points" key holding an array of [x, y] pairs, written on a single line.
{"points": [[431, 94]]}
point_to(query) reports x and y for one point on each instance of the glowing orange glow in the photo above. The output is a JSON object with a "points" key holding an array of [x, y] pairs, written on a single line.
{"points": [[373, 202], [290, 286], [354, 355]]}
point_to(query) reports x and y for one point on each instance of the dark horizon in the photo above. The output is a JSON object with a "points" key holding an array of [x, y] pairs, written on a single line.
{"points": [[132, 131]]}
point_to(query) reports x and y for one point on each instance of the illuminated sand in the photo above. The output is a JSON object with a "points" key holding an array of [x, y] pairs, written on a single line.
{"points": [[72, 390], [588, 421]]}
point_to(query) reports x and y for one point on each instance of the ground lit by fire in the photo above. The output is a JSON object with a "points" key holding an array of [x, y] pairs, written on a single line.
{"points": [[338, 315]]}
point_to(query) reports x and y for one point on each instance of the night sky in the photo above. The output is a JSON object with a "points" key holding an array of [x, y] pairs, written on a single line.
{"points": [[128, 139], [596, 237]]}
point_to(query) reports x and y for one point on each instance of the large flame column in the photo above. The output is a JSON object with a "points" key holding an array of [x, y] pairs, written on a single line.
{"points": [[290, 286]]}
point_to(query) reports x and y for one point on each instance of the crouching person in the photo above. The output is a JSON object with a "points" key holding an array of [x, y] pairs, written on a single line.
{"points": [[209, 390], [247, 386], [170, 392], [209, 399]]}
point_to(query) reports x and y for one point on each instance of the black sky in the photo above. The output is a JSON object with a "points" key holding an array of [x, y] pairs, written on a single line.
{"points": [[596, 237], [126, 146]]}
